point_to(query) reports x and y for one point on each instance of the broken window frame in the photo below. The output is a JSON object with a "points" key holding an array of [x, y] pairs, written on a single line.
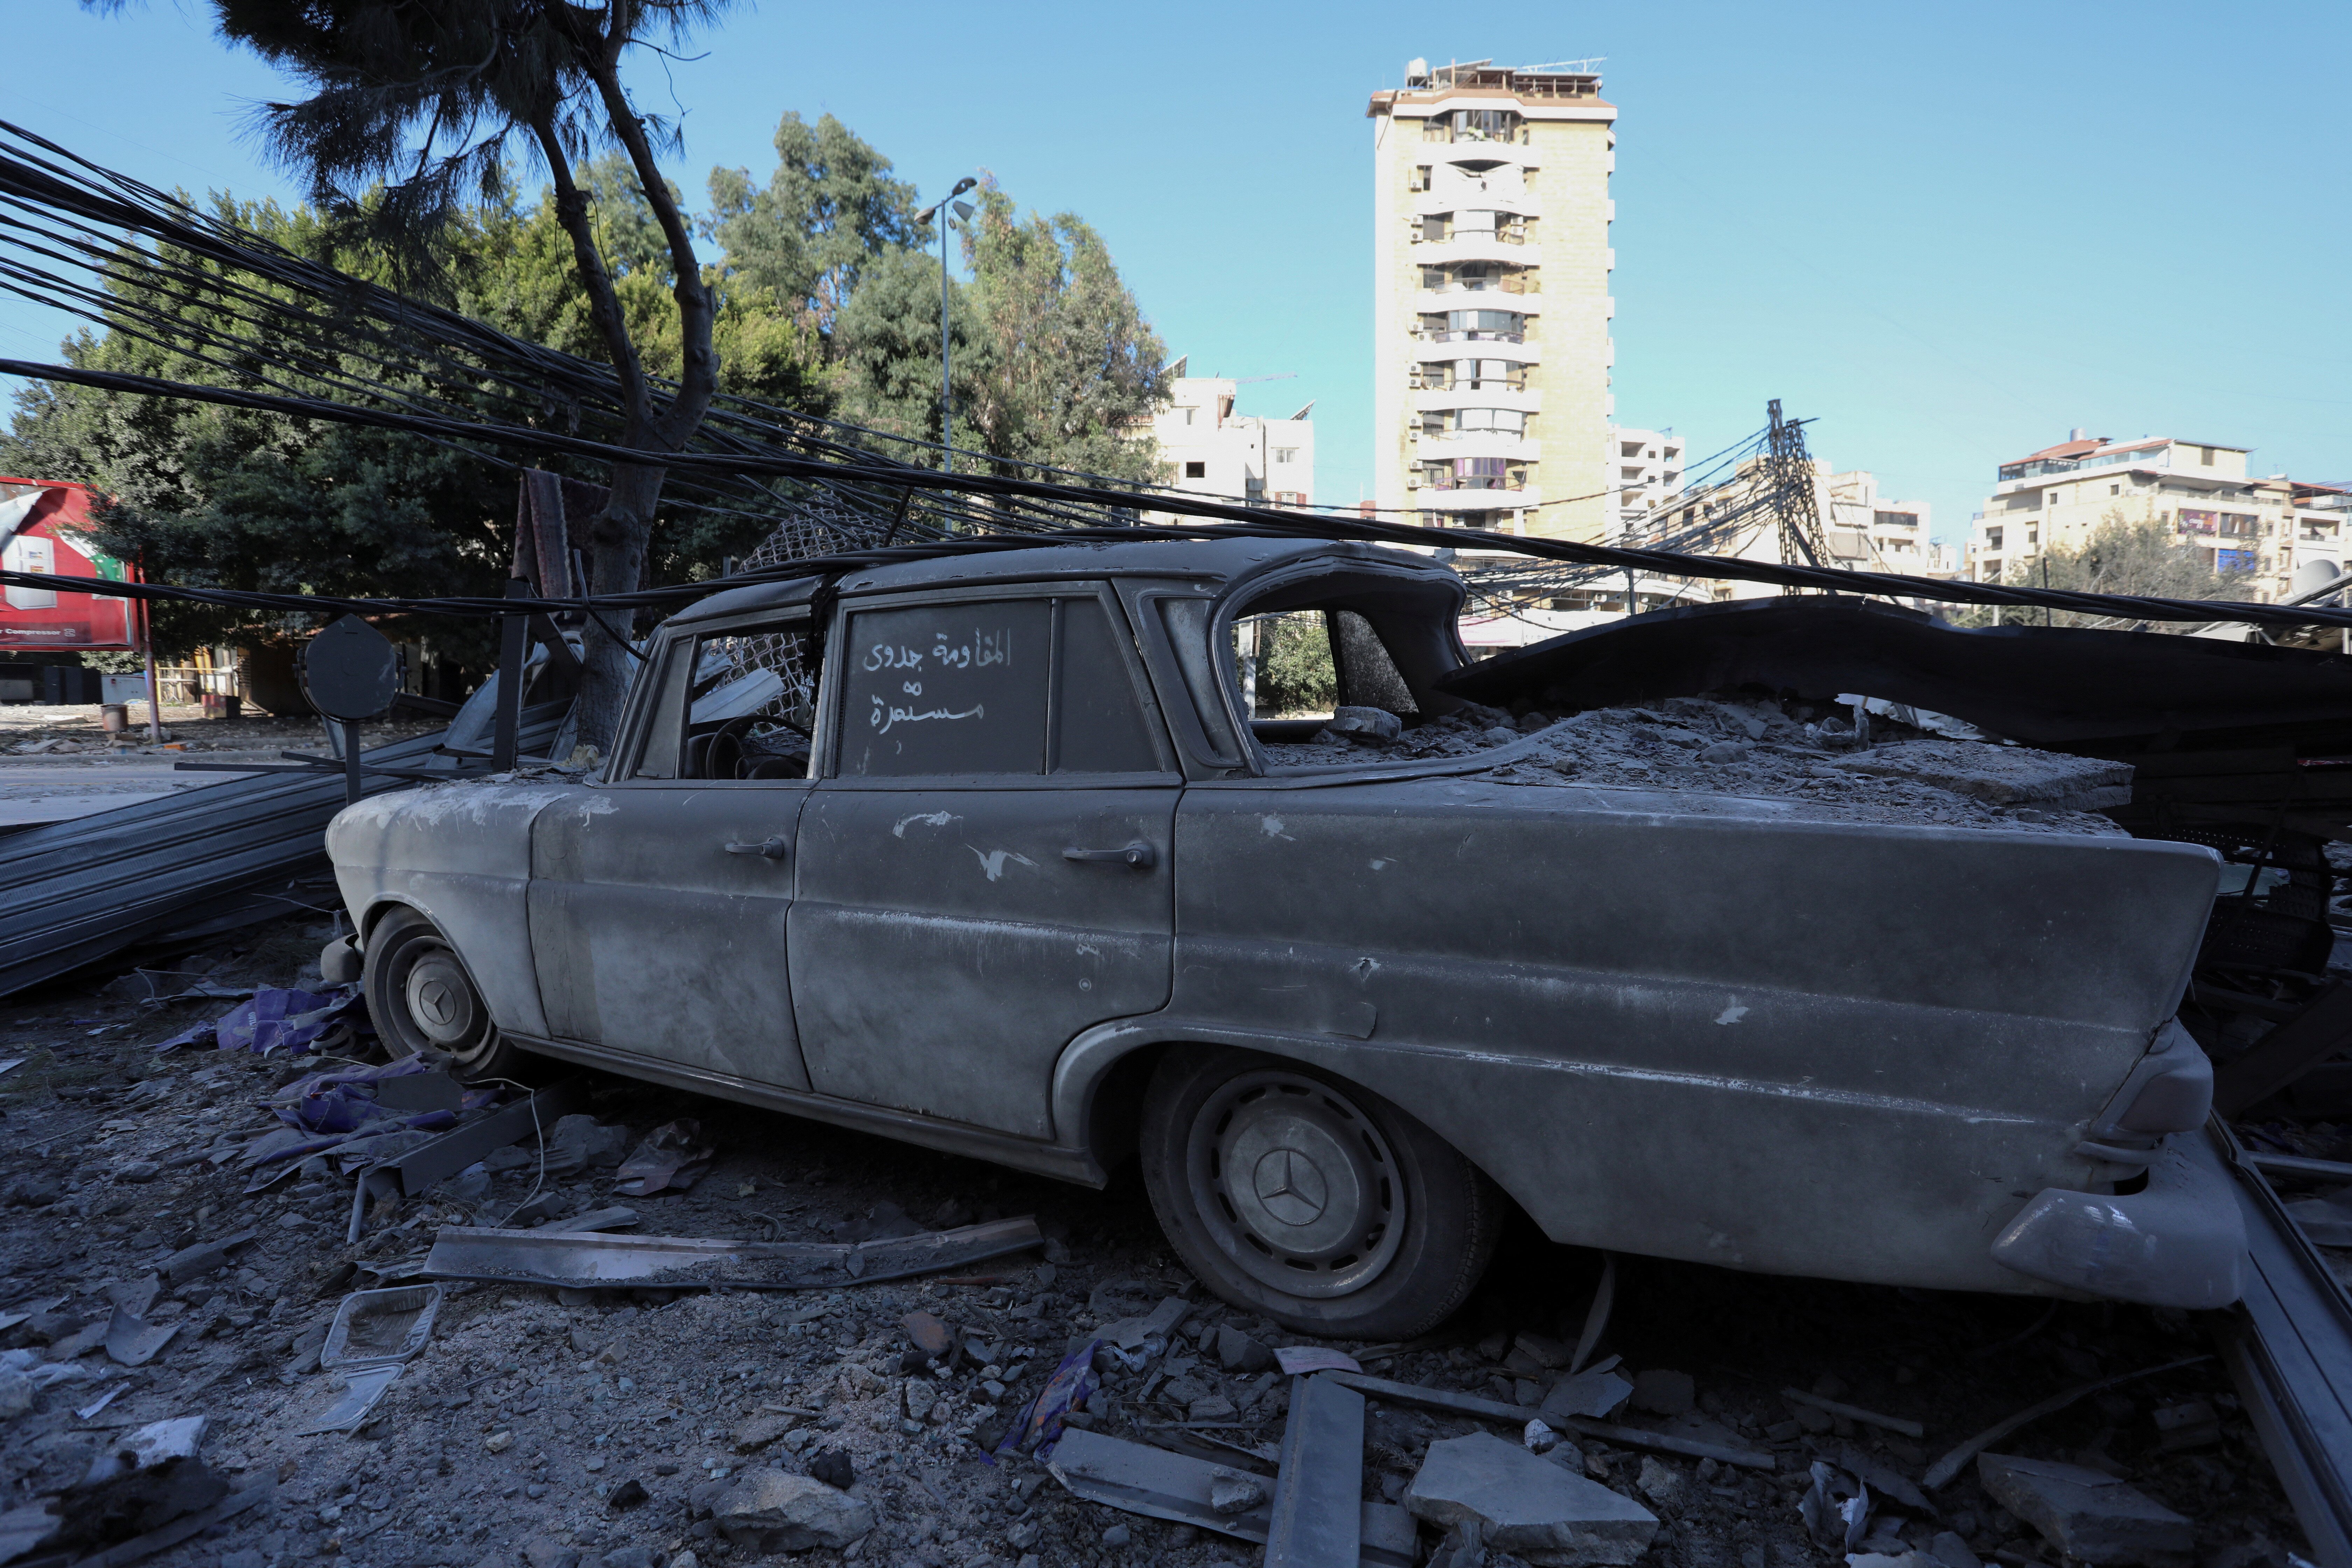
{"points": [[830, 728], [660, 695], [1393, 602]]}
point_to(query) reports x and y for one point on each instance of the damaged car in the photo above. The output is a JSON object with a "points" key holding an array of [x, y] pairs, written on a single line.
{"points": [[997, 854]]}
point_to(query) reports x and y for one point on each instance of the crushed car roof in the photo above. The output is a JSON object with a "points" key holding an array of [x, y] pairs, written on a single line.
{"points": [[1220, 560]]}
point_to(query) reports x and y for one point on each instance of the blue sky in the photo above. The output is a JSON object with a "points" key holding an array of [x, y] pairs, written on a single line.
{"points": [[1947, 233]]}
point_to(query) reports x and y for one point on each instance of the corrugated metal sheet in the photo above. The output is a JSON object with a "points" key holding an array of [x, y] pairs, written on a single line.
{"points": [[210, 858]]}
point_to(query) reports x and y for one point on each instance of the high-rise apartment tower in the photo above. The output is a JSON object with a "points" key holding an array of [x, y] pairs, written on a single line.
{"points": [[1491, 265]]}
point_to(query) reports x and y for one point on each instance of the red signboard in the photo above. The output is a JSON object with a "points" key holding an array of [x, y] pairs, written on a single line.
{"points": [[45, 527]]}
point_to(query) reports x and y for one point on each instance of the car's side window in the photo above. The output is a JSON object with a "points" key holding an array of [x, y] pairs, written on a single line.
{"points": [[953, 688], [1027, 686], [735, 704], [1099, 724]]}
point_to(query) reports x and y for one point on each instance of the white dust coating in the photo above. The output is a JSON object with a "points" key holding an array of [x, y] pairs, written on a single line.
{"points": [[992, 862], [927, 818], [1272, 826], [476, 803], [1731, 1015], [1715, 752]]}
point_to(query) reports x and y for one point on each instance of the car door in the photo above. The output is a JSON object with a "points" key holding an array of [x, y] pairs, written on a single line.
{"points": [[658, 900], [985, 872]]}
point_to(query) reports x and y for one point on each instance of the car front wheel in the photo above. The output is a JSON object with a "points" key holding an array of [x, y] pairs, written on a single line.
{"points": [[421, 999], [1312, 1201]]}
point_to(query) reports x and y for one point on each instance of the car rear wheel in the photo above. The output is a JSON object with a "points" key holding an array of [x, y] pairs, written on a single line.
{"points": [[421, 999], [1312, 1201]]}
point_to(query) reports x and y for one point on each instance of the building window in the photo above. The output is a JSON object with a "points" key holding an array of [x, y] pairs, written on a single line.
{"points": [[1196, 471], [2205, 457], [1992, 539], [1433, 227], [1188, 416], [1286, 454], [2115, 489], [1629, 449]]}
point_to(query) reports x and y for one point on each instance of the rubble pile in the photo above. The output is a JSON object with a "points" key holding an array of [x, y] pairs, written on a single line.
{"points": [[1878, 772], [160, 1296]]}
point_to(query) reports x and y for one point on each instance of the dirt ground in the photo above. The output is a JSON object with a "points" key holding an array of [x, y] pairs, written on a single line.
{"points": [[79, 729], [511, 1440]]}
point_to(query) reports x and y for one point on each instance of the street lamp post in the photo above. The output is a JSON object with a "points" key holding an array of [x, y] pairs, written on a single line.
{"points": [[947, 396]]}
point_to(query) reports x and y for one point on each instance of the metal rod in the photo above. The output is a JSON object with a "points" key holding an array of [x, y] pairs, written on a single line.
{"points": [[514, 647], [947, 390], [351, 761]]}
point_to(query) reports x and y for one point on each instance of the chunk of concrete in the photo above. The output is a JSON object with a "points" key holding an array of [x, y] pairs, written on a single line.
{"points": [[762, 1429], [770, 1510], [1526, 1506], [1236, 1352], [1593, 1394], [2088, 1514]]}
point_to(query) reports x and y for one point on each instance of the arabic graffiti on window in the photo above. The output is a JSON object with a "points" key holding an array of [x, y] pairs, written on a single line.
{"points": [[944, 653]]}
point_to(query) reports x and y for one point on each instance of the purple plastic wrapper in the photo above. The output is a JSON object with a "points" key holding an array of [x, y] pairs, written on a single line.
{"points": [[1038, 1425]]}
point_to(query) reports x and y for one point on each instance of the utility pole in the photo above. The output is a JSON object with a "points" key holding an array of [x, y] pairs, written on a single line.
{"points": [[1789, 469]]}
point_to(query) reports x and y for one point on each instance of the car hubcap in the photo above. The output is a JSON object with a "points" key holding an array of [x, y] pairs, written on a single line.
{"points": [[441, 1002], [1295, 1183]]}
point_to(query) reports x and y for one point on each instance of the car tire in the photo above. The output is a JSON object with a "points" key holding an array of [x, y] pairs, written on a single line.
{"points": [[1358, 1223], [421, 998]]}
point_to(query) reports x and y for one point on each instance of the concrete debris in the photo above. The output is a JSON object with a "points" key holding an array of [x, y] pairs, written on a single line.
{"points": [[1594, 1393], [1526, 1506], [1232, 1492], [2089, 1515], [1298, 1360], [2002, 776], [1236, 1352], [580, 1142], [131, 1341], [1950, 1549], [1516, 1416], [1698, 746], [775, 1510], [673, 1157], [1539, 1438]]}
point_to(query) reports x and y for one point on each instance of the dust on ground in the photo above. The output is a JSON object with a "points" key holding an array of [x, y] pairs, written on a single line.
{"points": [[503, 1441]]}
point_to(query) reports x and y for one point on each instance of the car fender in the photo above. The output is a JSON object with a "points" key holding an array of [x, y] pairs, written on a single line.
{"points": [[459, 855]]}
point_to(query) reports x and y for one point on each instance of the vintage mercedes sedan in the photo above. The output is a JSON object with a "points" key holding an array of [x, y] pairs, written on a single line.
{"points": [[992, 853]]}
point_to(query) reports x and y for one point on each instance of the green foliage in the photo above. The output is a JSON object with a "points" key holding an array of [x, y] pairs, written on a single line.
{"points": [[2136, 556], [1296, 676], [243, 499], [1067, 366], [829, 212], [1053, 362]]}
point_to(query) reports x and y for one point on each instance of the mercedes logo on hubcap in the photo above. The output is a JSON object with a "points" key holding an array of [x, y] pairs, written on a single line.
{"points": [[1289, 1187], [433, 1000]]}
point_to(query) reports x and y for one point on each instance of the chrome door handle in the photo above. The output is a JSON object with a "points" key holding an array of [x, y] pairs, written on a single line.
{"points": [[772, 848], [1138, 856]]}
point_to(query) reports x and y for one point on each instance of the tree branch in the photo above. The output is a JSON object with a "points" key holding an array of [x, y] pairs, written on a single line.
{"points": [[604, 302], [698, 371]]}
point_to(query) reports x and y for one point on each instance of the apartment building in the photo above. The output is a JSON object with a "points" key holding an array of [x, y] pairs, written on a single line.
{"points": [[1491, 264], [2199, 491], [1645, 469], [1210, 449]]}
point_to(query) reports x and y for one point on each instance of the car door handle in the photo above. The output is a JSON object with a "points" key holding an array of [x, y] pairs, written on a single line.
{"points": [[1138, 856], [772, 848]]}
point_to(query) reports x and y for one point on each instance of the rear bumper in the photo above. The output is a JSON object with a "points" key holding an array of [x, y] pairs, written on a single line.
{"points": [[2180, 1241]]}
